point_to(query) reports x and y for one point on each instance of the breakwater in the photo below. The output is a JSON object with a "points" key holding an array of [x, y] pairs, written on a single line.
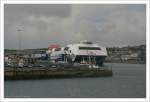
{"points": [[37, 73]]}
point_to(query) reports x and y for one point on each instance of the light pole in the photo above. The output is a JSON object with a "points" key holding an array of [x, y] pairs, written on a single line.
{"points": [[19, 40], [20, 53]]}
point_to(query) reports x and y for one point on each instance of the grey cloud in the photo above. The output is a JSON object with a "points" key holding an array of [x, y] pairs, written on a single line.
{"points": [[38, 9], [108, 25], [114, 24]]}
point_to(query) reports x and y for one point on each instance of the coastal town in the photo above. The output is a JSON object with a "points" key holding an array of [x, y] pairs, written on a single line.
{"points": [[127, 54]]}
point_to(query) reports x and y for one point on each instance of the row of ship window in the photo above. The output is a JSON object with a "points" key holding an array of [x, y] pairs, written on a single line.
{"points": [[81, 48]]}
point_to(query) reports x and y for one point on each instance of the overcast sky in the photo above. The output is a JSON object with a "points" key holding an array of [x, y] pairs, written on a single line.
{"points": [[45, 24]]}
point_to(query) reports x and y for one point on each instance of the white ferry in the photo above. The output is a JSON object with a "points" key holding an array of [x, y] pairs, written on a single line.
{"points": [[84, 52]]}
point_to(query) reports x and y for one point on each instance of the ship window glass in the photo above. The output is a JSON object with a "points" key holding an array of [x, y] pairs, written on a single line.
{"points": [[57, 49], [89, 48], [87, 42], [66, 48]]}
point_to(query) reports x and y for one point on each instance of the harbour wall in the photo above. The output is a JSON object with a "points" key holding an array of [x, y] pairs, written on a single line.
{"points": [[19, 74]]}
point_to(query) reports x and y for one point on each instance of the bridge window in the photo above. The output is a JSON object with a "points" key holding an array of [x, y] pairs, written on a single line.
{"points": [[57, 49], [66, 48], [89, 48]]}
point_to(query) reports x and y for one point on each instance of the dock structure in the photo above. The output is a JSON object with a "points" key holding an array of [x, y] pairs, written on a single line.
{"points": [[83, 59], [38, 73]]}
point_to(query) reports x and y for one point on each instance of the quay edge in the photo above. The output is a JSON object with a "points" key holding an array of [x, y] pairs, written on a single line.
{"points": [[56, 73]]}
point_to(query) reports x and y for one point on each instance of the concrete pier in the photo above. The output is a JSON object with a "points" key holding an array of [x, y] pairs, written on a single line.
{"points": [[38, 73]]}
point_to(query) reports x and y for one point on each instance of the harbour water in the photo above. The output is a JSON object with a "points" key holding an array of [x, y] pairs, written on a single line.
{"points": [[128, 81]]}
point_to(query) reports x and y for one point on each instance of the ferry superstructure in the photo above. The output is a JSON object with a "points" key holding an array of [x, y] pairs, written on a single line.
{"points": [[83, 52], [86, 52]]}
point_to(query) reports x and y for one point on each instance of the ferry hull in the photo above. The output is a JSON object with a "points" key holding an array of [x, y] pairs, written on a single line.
{"points": [[97, 60]]}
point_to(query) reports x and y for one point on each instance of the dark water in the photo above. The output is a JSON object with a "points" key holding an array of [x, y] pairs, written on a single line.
{"points": [[128, 81]]}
